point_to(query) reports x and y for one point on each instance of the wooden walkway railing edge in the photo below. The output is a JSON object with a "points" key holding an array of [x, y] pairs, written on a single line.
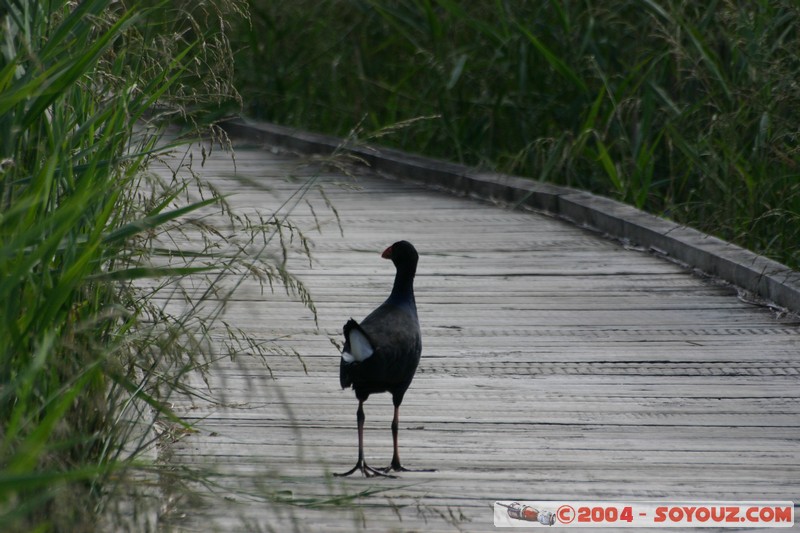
{"points": [[768, 279]]}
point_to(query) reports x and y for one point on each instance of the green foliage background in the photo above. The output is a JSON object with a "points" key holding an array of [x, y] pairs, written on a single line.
{"points": [[685, 109]]}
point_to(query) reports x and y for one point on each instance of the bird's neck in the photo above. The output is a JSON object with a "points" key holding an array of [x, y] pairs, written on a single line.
{"points": [[403, 288]]}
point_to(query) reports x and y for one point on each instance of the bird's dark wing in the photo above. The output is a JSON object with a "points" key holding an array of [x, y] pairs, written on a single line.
{"points": [[393, 332]]}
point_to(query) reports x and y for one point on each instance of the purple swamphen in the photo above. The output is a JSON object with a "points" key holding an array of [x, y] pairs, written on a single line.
{"points": [[381, 353]]}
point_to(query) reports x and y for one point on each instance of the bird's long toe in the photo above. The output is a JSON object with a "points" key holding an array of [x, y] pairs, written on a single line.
{"points": [[366, 471], [397, 467]]}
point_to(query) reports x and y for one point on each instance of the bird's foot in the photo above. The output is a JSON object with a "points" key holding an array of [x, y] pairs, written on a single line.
{"points": [[367, 471], [397, 467]]}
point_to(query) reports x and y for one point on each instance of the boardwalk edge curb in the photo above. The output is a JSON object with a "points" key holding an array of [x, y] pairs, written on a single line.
{"points": [[769, 279]]}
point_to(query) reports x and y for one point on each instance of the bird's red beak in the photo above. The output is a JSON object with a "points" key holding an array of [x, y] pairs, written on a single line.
{"points": [[387, 253]]}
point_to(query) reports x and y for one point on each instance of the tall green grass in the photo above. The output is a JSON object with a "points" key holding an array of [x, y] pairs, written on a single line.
{"points": [[97, 324], [685, 109]]}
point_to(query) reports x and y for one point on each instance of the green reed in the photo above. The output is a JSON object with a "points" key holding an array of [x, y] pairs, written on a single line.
{"points": [[96, 328], [682, 109]]}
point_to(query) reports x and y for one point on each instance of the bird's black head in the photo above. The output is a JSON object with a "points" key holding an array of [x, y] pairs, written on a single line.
{"points": [[402, 254], [405, 257]]}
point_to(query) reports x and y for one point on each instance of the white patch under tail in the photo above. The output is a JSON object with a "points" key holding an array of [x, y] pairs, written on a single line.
{"points": [[360, 347]]}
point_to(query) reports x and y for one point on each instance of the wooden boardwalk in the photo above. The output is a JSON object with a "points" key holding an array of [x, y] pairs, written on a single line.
{"points": [[557, 364]]}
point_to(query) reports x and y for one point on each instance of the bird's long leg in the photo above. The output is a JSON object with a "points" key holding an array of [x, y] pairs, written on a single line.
{"points": [[361, 465], [395, 428], [396, 466]]}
